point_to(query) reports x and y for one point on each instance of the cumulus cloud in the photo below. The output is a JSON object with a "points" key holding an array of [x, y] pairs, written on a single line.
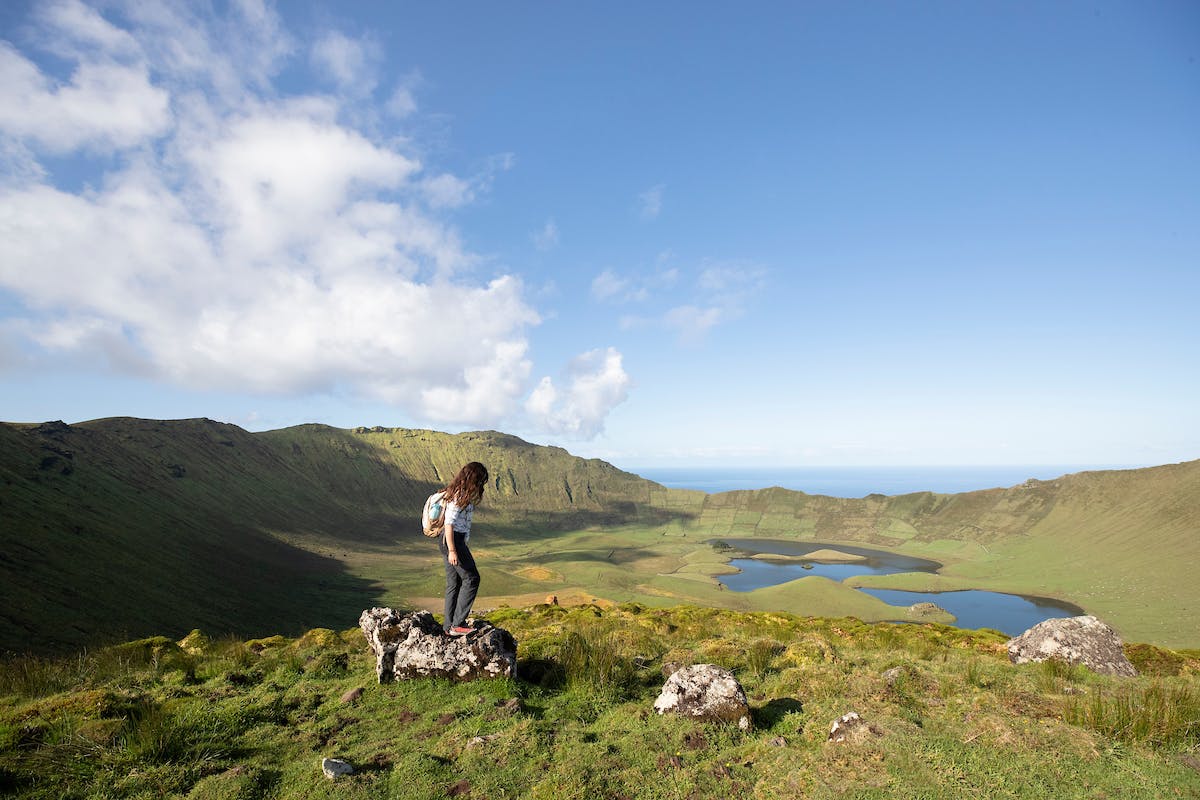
{"points": [[103, 105], [596, 384], [234, 237]]}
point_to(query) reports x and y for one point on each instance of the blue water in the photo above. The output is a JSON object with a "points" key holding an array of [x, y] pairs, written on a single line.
{"points": [[1012, 614], [756, 573], [1008, 613], [855, 481]]}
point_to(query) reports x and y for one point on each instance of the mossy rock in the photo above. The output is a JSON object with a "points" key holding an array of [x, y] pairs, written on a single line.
{"points": [[195, 643], [266, 643], [237, 783], [89, 704], [320, 638], [1150, 660], [809, 649], [146, 650]]}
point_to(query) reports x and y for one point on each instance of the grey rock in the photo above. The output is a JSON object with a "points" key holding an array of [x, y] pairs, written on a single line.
{"points": [[851, 727], [352, 695], [414, 645], [334, 768], [922, 610], [705, 692], [893, 675], [1076, 640]]}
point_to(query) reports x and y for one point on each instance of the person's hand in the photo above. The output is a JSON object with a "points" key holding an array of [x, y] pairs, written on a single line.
{"points": [[452, 558]]}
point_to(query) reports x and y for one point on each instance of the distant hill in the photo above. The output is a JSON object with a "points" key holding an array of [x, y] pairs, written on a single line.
{"points": [[124, 527], [1125, 544]]}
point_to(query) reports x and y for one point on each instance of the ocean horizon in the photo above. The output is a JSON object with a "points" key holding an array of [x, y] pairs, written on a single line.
{"points": [[856, 482]]}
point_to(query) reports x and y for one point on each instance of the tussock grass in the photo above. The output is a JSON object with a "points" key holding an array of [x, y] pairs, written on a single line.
{"points": [[251, 720], [1159, 713]]}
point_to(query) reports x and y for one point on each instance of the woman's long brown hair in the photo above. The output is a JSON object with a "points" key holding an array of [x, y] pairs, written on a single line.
{"points": [[467, 487]]}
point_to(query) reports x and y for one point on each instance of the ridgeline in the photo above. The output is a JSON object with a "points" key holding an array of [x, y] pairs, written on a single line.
{"points": [[122, 527]]}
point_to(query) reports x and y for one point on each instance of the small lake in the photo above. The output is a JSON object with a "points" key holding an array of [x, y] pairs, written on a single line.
{"points": [[974, 608]]}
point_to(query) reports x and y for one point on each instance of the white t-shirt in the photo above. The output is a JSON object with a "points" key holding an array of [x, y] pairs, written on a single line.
{"points": [[459, 519]]}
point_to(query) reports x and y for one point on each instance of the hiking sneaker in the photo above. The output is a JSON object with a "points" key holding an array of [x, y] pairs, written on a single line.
{"points": [[460, 630]]}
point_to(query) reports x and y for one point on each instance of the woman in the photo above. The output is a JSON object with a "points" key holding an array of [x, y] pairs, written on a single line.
{"points": [[462, 578]]}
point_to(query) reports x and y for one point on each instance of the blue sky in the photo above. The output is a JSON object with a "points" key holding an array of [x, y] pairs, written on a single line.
{"points": [[674, 233]]}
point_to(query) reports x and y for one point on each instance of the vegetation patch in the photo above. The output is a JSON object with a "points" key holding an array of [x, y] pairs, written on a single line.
{"points": [[950, 714]]}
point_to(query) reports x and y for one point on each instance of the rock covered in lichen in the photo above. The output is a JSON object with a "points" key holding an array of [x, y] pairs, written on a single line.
{"points": [[705, 692], [1075, 640], [414, 645]]}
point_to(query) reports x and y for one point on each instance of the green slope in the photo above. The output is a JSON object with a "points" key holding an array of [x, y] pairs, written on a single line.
{"points": [[1124, 544], [125, 527]]}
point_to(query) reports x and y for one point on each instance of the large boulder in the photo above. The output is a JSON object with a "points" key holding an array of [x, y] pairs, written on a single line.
{"points": [[706, 692], [414, 645], [1075, 640]]}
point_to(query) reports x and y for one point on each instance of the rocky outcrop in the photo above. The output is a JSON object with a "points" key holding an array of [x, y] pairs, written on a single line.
{"points": [[926, 610], [414, 645], [706, 692], [1075, 640]]}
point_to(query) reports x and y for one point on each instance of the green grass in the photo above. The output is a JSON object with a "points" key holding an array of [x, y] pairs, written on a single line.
{"points": [[251, 720]]}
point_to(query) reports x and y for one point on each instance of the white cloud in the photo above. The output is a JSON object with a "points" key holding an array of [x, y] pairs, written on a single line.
{"points": [[547, 238], [403, 101], [350, 63], [447, 191], [598, 383], [719, 295], [607, 285], [264, 243], [76, 27], [691, 323], [650, 202], [105, 105]]}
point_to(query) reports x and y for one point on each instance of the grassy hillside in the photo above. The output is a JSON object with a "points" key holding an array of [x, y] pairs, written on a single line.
{"points": [[1121, 543], [128, 526], [949, 717], [125, 527]]}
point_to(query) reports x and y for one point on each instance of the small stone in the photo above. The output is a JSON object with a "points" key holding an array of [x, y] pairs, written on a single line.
{"points": [[892, 675], [851, 727], [352, 695], [778, 741], [334, 768], [480, 741], [513, 705]]}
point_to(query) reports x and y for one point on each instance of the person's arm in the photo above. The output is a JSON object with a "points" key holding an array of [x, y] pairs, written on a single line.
{"points": [[450, 513]]}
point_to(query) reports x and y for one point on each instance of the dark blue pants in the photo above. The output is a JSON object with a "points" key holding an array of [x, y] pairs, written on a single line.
{"points": [[462, 582]]}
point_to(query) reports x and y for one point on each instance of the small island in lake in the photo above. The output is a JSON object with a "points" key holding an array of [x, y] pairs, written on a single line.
{"points": [[816, 555]]}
